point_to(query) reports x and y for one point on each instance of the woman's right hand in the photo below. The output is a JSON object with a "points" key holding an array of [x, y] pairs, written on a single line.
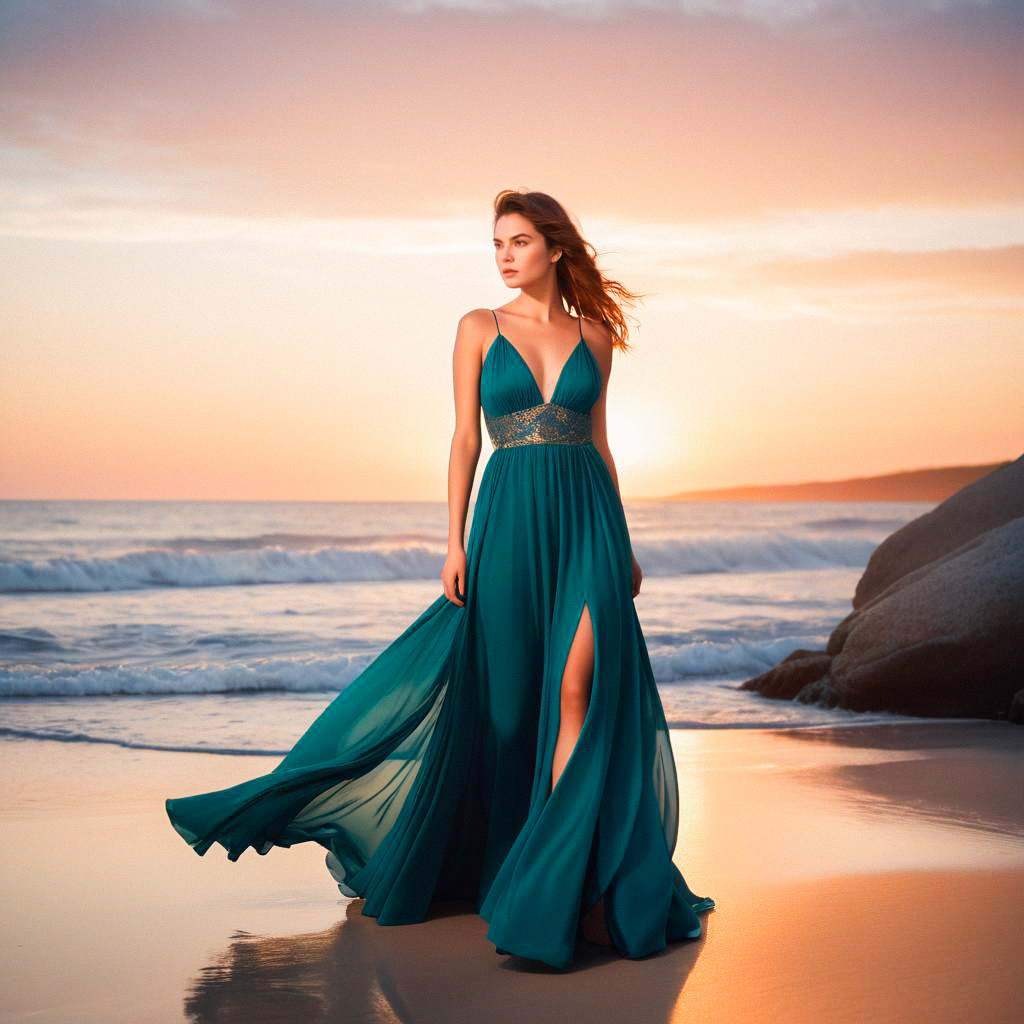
{"points": [[453, 576]]}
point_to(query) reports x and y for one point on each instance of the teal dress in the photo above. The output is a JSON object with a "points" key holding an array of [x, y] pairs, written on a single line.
{"points": [[429, 776]]}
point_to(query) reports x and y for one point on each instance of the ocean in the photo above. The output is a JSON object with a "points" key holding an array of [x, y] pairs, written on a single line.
{"points": [[227, 627]]}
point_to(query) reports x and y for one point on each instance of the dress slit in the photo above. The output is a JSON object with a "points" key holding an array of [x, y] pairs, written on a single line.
{"points": [[550, 722], [556, 731], [589, 899]]}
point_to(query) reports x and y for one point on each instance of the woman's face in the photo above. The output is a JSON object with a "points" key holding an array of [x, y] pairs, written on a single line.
{"points": [[522, 254]]}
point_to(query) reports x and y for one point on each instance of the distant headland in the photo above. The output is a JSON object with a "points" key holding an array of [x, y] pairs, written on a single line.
{"points": [[912, 485]]}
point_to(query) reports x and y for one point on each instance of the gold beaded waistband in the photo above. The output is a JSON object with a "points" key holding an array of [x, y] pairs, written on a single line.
{"points": [[539, 424]]}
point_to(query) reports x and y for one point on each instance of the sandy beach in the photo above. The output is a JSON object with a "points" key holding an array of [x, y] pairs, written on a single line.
{"points": [[862, 873]]}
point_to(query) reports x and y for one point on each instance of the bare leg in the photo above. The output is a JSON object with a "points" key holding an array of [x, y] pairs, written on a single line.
{"points": [[574, 700]]}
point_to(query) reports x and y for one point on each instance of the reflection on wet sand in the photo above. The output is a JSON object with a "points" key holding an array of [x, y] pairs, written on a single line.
{"points": [[442, 969]]}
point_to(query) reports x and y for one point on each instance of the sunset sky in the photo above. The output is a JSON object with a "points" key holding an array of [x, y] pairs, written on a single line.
{"points": [[237, 237]]}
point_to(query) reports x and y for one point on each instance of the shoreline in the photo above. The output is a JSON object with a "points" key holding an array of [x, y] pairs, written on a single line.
{"points": [[30, 735]]}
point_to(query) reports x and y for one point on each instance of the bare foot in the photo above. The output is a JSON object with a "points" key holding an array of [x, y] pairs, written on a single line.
{"points": [[593, 926]]}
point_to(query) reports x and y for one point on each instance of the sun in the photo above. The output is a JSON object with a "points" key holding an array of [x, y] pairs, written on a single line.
{"points": [[639, 434]]}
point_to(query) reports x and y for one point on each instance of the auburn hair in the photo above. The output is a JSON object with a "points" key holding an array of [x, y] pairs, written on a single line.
{"points": [[583, 287]]}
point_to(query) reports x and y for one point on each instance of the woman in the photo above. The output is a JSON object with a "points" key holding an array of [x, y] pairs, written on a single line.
{"points": [[509, 747]]}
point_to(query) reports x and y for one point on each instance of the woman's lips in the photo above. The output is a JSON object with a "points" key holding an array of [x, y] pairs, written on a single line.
{"points": [[509, 271]]}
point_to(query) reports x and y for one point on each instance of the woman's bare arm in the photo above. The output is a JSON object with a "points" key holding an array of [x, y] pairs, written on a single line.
{"points": [[598, 420], [465, 448], [602, 348]]}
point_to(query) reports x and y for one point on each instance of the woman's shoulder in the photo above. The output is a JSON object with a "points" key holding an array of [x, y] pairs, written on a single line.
{"points": [[476, 332], [477, 319], [599, 337]]}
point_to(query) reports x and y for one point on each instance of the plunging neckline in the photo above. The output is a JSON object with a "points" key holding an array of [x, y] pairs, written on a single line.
{"points": [[526, 366]]}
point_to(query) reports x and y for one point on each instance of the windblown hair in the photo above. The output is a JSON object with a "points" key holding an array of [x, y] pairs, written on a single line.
{"points": [[584, 288]]}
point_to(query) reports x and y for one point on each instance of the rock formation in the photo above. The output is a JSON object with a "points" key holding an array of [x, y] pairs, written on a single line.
{"points": [[938, 622]]}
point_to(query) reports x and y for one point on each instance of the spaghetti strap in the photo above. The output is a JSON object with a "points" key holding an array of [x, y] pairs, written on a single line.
{"points": [[579, 317], [496, 324]]}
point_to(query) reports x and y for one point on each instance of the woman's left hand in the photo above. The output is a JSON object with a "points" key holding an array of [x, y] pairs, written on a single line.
{"points": [[638, 575]]}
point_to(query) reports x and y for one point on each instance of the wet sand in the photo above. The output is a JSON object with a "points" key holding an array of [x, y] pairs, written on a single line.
{"points": [[869, 873]]}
